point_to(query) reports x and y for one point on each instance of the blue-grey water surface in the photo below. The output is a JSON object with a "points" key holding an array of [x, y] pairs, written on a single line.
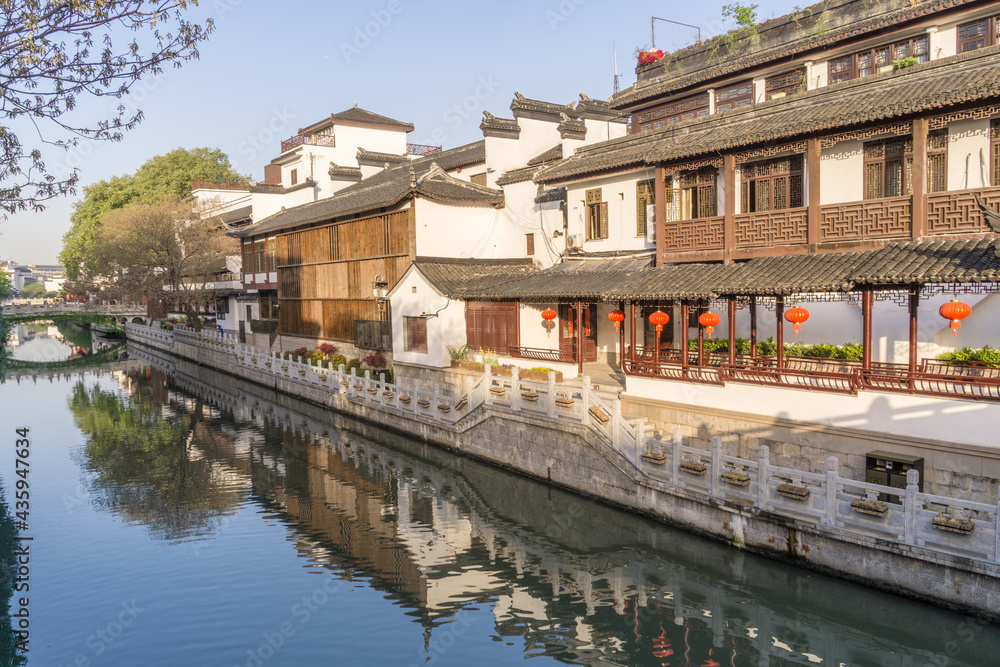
{"points": [[181, 517]]}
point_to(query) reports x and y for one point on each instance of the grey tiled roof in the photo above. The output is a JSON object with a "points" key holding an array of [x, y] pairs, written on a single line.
{"points": [[937, 261], [963, 79], [588, 105], [522, 103], [364, 117], [551, 155], [517, 175], [491, 122], [380, 158], [449, 274], [550, 195], [780, 38], [570, 124], [336, 171], [423, 176], [237, 215]]}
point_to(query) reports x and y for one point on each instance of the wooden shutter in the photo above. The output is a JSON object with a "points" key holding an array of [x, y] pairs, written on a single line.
{"points": [[530, 244], [643, 198], [604, 220]]}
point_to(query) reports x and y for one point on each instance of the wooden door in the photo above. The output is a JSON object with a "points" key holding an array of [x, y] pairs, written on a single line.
{"points": [[568, 335]]}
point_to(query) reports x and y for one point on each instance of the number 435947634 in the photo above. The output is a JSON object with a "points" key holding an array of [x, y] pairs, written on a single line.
{"points": [[22, 495]]}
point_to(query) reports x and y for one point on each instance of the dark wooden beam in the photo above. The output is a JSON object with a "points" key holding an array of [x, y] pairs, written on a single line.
{"points": [[729, 205], [732, 330], [867, 298], [918, 218], [779, 312], [813, 168]]}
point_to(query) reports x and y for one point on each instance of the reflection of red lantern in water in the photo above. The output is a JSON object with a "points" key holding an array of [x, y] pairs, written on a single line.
{"points": [[709, 320], [956, 311], [796, 316], [617, 317]]}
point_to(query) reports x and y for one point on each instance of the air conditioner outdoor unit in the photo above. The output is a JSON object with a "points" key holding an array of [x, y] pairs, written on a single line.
{"points": [[576, 240]]}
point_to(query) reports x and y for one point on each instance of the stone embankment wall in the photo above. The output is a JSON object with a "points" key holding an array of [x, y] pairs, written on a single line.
{"points": [[939, 549]]}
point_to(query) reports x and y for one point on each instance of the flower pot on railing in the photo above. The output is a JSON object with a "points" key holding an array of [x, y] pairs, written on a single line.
{"points": [[564, 401], [954, 525], [539, 376], [870, 507], [530, 396], [656, 458], [694, 467], [444, 407], [736, 478], [403, 398], [424, 403], [792, 491]]}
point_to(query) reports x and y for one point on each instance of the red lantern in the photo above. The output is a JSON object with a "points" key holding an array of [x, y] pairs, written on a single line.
{"points": [[796, 316], [659, 318], [956, 311], [617, 317], [548, 315], [709, 320]]}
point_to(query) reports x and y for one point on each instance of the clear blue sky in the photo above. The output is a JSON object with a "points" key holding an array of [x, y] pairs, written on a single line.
{"points": [[271, 68]]}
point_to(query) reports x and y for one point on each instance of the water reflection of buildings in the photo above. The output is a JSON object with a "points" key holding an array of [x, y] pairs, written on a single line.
{"points": [[44, 341], [574, 579]]}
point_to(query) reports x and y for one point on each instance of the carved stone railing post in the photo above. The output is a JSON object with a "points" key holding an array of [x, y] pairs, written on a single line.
{"points": [[832, 482], [763, 475], [910, 506]]}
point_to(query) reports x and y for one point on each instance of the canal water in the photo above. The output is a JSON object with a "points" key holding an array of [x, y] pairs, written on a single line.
{"points": [[192, 519], [47, 341]]}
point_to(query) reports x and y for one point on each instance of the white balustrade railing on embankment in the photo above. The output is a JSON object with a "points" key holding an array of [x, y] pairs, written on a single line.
{"points": [[905, 516]]}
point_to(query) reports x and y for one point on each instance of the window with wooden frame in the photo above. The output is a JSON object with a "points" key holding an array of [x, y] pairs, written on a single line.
{"points": [[529, 244], [597, 216], [247, 247], [889, 166], [272, 254], [645, 196], [491, 325], [221, 307], [698, 194], [673, 112], [415, 329], [478, 179], [977, 35], [268, 302], [772, 185], [785, 83], [995, 146], [734, 97], [870, 61], [293, 176], [258, 252]]}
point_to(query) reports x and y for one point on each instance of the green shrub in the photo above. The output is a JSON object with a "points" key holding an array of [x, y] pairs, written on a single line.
{"points": [[459, 353], [539, 369], [489, 357], [353, 363], [166, 326], [337, 360], [986, 354]]}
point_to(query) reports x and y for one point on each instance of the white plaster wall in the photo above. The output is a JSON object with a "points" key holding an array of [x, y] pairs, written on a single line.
{"points": [[602, 130], [377, 139], [842, 169], [265, 204], [619, 192], [969, 154], [979, 329], [532, 332], [819, 74], [501, 156], [458, 231], [906, 416], [521, 216], [758, 89], [210, 201], [448, 328], [944, 42], [537, 136], [299, 197]]}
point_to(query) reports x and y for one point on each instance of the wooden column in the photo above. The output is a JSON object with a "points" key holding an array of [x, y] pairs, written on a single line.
{"points": [[631, 318], [660, 187], [729, 205], [779, 311], [701, 343], [753, 327], [919, 173], [621, 340], [914, 303], [684, 335], [867, 298], [813, 167], [732, 330], [579, 336]]}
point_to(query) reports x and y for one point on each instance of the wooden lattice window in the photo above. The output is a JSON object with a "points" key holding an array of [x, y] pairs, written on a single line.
{"points": [[698, 194], [785, 84], [272, 254], [478, 179], [888, 168], [870, 61], [772, 185], [995, 141], [937, 161], [597, 216], [734, 97], [645, 196], [529, 240], [673, 112], [977, 35], [248, 257], [491, 325], [415, 329], [258, 251], [294, 176]]}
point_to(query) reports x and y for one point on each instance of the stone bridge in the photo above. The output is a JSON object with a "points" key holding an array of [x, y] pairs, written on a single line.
{"points": [[124, 313]]}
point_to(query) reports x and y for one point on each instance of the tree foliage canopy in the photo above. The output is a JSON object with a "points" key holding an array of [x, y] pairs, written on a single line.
{"points": [[55, 53], [169, 174], [161, 250]]}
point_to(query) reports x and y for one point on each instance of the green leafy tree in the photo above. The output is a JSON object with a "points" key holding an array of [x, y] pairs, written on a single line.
{"points": [[33, 291], [55, 54], [5, 288], [169, 174]]}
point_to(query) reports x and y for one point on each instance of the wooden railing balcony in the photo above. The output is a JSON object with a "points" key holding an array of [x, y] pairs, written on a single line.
{"points": [[219, 185], [327, 140], [697, 234], [772, 228], [957, 212], [422, 149], [887, 218], [541, 354]]}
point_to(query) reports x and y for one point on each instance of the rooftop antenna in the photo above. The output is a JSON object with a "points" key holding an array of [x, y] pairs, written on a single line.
{"points": [[652, 28]]}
